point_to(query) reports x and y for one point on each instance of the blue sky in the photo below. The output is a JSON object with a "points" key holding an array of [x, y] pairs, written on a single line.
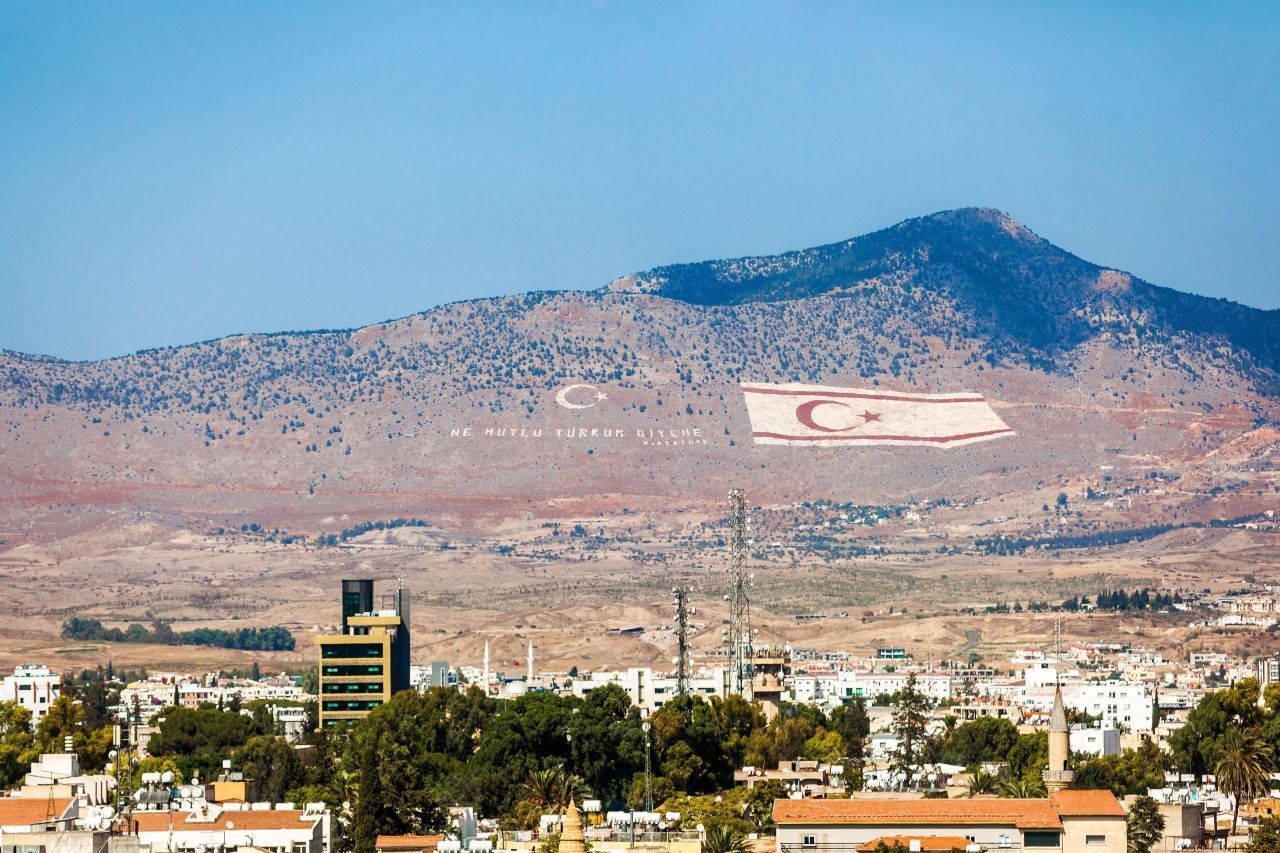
{"points": [[176, 172]]}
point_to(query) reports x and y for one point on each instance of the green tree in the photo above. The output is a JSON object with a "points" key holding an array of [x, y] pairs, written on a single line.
{"points": [[1145, 825], [826, 747], [1133, 771], [607, 746], [1242, 769], [661, 786], [1198, 745], [982, 740], [65, 718], [686, 736], [1022, 788], [17, 743], [395, 773], [850, 720], [982, 782], [188, 732], [724, 839], [1266, 836], [910, 722], [547, 791], [1029, 757], [274, 764]]}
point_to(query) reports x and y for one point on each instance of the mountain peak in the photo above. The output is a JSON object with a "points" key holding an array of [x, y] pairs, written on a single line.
{"points": [[1017, 289]]}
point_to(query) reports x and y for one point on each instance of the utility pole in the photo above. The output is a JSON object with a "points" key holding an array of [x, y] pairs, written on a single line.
{"points": [[739, 637], [683, 612]]}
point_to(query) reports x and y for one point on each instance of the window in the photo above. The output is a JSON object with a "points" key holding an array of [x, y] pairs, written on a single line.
{"points": [[353, 687], [1095, 839], [809, 841], [1041, 839], [351, 650], [333, 669]]}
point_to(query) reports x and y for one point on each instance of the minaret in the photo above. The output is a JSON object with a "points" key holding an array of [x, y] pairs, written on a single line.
{"points": [[1058, 776], [572, 839], [485, 685], [529, 679]]}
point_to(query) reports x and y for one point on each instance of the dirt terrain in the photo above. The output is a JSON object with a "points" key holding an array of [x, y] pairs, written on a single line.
{"points": [[546, 466]]}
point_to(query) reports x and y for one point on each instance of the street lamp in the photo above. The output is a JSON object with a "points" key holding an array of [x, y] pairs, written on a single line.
{"points": [[648, 768]]}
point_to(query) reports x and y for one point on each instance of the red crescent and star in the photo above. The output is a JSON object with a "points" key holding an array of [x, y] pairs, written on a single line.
{"points": [[804, 414]]}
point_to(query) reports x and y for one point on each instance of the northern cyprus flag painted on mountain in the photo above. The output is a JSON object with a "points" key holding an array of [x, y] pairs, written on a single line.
{"points": [[823, 416]]}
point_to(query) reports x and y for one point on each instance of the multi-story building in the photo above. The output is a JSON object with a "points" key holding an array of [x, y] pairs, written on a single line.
{"points": [[33, 687], [1267, 671], [235, 826], [1064, 822], [649, 690], [361, 667]]}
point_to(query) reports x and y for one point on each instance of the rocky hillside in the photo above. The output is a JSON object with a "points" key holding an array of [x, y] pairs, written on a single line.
{"points": [[1091, 366]]}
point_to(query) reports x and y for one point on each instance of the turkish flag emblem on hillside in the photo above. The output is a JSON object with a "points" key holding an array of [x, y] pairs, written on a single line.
{"points": [[823, 416]]}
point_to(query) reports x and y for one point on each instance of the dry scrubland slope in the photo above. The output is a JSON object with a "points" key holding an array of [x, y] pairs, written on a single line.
{"points": [[1090, 365]]}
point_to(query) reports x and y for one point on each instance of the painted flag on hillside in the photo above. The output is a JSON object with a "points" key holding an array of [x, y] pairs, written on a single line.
{"points": [[823, 416]]}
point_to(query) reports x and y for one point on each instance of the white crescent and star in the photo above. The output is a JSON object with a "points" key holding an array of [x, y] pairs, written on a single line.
{"points": [[805, 412], [562, 396]]}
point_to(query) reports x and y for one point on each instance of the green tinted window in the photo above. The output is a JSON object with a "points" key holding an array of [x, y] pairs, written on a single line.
{"points": [[1042, 839]]}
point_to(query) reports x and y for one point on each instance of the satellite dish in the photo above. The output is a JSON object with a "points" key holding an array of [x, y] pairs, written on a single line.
{"points": [[108, 812], [166, 778]]}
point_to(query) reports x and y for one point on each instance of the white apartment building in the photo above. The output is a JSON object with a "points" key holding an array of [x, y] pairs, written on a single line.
{"points": [[33, 687], [1094, 741], [1117, 704], [869, 685], [649, 691]]}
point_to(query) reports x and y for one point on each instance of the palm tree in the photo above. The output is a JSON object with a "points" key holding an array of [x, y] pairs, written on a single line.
{"points": [[1022, 789], [548, 791], [982, 782], [722, 838], [1242, 769]]}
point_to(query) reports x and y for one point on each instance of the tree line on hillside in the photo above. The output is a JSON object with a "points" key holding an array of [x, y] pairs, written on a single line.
{"points": [[1118, 600], [272, 638]]}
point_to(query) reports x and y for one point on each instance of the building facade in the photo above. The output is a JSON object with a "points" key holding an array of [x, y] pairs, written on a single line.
{"points": [[33, 687], [361, 667], [1064, 822]]}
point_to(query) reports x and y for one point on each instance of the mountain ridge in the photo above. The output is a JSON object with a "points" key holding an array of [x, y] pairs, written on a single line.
{"points": [[1255, 329]]}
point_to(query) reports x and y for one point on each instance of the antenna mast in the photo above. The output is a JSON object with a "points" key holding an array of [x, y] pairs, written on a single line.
{"points": [[739, 634], [683, 611]]}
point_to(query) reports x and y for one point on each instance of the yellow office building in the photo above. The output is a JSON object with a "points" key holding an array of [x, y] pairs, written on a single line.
{"points": [[364, 665]]}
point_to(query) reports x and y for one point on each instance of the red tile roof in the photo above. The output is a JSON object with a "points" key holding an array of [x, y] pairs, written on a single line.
{"points": [[928, 843], [233, 820], [25, 811], [1024, 814], [1086, 804], [408, 842]]}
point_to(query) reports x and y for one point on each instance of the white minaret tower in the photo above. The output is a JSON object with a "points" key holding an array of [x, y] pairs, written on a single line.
{"points": [[529, 680], [1058, 776], [485, 686]]}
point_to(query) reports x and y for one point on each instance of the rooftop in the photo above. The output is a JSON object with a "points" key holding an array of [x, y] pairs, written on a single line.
{"points": [[1044, 813], [227, 820], [25, 811]]}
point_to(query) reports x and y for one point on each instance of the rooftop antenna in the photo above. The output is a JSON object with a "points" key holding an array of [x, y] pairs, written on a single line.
{"points": [[739, 635]]}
